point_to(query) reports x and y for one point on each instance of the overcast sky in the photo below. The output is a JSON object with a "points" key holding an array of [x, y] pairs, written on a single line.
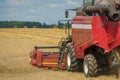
{"points": [[49, 11]]}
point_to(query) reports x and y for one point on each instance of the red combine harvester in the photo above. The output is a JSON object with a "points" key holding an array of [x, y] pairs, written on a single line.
{"points": [[93, 44]]}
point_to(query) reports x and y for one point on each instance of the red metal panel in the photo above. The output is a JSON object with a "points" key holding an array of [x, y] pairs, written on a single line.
{"points": [[81, 39], [39, 58], [114, 31], [118, 33], [99, 26], [51, 60], [48, 60], [81, 34], [33, 62], [106, 33], [33, 54], [82, 20], [102, 33]]}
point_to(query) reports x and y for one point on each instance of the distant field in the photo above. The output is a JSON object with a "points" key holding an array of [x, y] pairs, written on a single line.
{"points": [[15, 45]]}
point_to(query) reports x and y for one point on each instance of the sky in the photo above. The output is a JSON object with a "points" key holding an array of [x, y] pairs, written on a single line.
{"points": [[48, 11]]}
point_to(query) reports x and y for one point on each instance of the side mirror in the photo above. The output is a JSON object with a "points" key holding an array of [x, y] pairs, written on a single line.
{"points": [[66, 13]]}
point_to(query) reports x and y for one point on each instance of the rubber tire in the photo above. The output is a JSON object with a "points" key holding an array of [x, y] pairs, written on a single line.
{"points": [[72, 62], [90, 66]]}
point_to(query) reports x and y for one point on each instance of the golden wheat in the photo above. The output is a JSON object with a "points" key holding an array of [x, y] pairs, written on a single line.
{"points": [[15, 45]]}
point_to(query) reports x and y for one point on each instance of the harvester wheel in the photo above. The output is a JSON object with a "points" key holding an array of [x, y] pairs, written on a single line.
{"points": [[72, 62], [90, 66]]}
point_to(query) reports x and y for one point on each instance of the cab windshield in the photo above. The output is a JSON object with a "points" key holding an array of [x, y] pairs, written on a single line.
{"points": [[88, 2]]}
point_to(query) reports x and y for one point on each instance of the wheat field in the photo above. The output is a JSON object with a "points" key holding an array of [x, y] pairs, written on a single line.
{"points": [[15, 45]]}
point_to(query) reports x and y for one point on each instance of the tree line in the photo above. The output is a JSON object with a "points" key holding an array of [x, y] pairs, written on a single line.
{"points": [[27, 24]]}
